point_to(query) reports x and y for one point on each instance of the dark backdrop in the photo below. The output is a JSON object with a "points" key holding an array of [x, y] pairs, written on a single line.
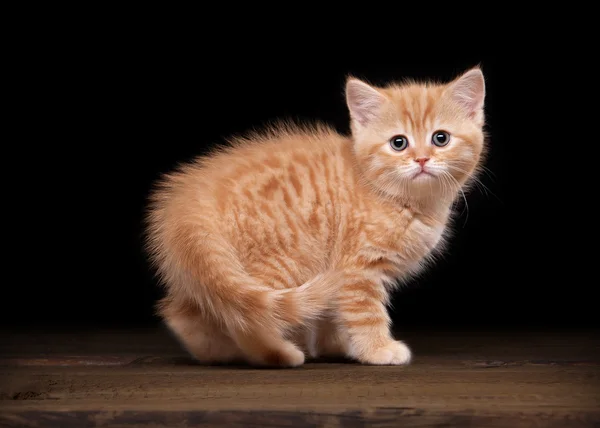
{"points": [[105, 121]]}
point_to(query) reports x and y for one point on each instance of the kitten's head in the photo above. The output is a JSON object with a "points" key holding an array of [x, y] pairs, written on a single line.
{"points": [[418, 140]]}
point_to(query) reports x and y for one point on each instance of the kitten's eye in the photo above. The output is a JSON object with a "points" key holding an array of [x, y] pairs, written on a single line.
{"points": [[399, 142], [440, 138]]}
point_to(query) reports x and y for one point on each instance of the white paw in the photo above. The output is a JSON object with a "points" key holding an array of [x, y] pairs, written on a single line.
{"points": [[287, 356], [395, 353], [295, 357]]}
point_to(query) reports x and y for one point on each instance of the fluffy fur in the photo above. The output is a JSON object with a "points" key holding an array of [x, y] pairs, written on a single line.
{"points": [[288, 242]]}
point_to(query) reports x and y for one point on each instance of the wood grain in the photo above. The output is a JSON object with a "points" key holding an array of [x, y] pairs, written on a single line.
{"points": [[141, 377]]}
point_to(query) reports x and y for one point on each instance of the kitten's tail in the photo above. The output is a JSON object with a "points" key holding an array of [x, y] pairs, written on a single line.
{"points": [[247, 305], [210, 278], [295, 306]]}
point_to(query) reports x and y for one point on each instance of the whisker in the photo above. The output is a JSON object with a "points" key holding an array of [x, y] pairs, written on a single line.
{"points": [[461, 192], [484, 189], [448, 190], [489, 172]]}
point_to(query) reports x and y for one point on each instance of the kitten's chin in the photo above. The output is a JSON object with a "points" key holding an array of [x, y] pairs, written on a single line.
{"points": [[425, 185], [422, 176]]}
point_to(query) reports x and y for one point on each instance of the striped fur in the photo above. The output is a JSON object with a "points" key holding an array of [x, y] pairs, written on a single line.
{"points": [[288, 242]]}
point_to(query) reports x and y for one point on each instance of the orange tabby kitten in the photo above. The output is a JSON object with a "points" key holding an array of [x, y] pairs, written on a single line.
{"points": [[289, 242]]}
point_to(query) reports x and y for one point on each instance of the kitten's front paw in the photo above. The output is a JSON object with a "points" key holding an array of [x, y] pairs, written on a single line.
{"points": [[394, 353]]}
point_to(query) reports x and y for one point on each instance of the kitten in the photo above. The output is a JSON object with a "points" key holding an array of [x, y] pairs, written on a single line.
{"points": [[288, 242]]}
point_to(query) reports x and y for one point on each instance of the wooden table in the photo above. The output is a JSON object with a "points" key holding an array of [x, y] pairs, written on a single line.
{"points": [[140, 377]]}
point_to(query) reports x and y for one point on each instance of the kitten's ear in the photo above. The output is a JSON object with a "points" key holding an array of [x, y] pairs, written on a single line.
{"points": [[468, 91], [364, 101]]}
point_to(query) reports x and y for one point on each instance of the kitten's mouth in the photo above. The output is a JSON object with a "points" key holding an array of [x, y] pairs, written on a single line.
{"points": [[422, 173]]}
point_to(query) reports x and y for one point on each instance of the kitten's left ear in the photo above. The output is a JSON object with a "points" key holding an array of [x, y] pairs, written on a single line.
{"points": [[468, 91]]}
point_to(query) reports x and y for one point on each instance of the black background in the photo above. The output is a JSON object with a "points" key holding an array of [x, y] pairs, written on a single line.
{"points": [[104, 119]]}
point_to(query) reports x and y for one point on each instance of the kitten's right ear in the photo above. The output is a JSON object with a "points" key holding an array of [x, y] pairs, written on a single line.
{"points": [[364, 101]]}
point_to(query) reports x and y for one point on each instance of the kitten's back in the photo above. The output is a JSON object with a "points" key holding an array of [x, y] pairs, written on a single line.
{"points": [[219, 227]]}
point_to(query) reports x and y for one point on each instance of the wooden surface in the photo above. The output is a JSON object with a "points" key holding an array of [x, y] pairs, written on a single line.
{"points": [[142, 378]]}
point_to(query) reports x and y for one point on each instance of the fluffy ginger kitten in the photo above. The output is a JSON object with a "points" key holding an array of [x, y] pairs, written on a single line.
{"points": [[288, 242]]}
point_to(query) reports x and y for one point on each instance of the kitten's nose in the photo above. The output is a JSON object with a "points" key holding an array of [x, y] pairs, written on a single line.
{"points": [[421, 161]]}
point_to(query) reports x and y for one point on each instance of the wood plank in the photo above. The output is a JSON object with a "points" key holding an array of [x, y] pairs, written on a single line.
{"points": [[458, 379]]}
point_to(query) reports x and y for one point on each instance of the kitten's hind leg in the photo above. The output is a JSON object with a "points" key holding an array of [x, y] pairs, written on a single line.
{"points": [[265, 346], [260, 345], [268, 315], [201, 338]]}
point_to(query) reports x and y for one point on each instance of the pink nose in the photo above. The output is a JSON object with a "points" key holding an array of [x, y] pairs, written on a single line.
{"points": [[421, 161]]}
